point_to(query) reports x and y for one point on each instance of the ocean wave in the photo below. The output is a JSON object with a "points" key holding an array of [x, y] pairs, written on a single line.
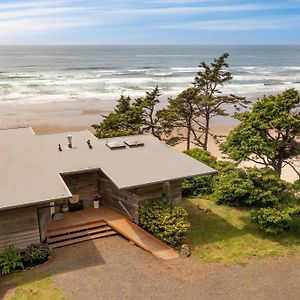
{"points": [[292, 68], [185, 69], [53, 86], [164, 55]]}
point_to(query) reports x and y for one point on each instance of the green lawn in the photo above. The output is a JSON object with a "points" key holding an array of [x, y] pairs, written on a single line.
{"points": [[227, 235], [29, 286]]}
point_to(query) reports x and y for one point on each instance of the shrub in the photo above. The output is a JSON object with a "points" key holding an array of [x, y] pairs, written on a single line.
{"points": [[166, 222], [275, 220], [36, 253], [252, 187], [233, 188], [201, 185], [296, 186], [10, 259], [269, 190]]}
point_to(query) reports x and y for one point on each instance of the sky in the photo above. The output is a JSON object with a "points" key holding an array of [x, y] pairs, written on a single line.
{"points": [[149, 22]]}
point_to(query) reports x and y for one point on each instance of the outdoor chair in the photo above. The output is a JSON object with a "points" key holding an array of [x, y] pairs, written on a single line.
{"points": [[75, 203]]}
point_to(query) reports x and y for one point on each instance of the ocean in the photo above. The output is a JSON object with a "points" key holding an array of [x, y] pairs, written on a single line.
{"points": [[39, 74]]}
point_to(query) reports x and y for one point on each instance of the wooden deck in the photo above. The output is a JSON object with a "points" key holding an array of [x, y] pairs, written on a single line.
{"points": [[118, 223]]}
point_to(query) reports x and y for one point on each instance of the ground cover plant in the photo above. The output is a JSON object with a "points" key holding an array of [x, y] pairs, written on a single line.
{"points": [[227, 234], [32, 285], [273, 202], [10, 260], [36, 254]]}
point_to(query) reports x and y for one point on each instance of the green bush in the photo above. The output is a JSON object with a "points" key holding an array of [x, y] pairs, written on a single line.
{"points": [[10, 259], [233, 188], [275, 220], [296, 186], [36, 253], [166, 222], [252, 187], [201, 185]]}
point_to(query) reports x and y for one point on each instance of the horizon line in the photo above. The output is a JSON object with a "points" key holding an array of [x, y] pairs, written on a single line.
{"points": [[159, 44]]}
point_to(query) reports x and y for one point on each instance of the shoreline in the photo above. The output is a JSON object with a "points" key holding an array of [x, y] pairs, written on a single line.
{"points": [[66, 114]]}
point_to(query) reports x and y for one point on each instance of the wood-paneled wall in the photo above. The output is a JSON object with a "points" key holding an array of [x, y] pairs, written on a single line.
{"points": [[83, 184], [114, 198], [19, 227], [156, 191], [44, 218]]}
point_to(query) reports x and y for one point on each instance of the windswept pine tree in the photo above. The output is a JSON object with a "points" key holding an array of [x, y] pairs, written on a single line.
{"points": [[268, 134]]}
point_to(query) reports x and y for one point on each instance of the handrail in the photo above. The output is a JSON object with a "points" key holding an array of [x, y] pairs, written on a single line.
{"points": [[128, 213]]}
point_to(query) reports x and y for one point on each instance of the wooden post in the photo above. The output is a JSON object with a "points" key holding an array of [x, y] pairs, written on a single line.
{"points": [[166, 192]]}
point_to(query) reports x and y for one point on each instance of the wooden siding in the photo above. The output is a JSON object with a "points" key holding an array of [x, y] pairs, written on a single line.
{"points": [[155, 191], [44, 219], [19, 227], [113, 197], [175, 191], [83, 184]]}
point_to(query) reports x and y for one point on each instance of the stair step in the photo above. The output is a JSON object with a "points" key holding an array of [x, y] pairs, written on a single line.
{"points": [[82, 239], [73, 228], [70, 235]]}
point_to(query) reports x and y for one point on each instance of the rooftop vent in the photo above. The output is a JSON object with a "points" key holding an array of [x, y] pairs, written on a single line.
{"points": [[89, 144], [134, 143], [115, 145], [70, 145]]}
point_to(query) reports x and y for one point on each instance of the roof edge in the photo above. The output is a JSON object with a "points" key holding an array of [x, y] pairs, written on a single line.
{"points": [[170, 179]]}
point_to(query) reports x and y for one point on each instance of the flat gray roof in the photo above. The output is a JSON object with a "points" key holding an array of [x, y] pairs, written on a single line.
{"points": [[31, 165]]}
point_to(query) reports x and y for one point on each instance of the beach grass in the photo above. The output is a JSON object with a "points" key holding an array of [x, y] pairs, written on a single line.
{"points": [[226, 234], [29, 286]]}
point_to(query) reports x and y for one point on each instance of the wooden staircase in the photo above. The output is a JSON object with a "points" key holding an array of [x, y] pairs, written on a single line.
{"points": [[78, 233]]}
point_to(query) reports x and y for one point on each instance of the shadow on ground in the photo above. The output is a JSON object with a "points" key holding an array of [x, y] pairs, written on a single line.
{"points": [[63, 260]]}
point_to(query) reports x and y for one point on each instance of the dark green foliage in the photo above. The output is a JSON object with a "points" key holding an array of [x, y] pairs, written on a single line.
{"points": [[36, 253], [125, 120], [201, 185], [269, 133], [149, 118], [296, 186], [210, 101], [275, 220], [251, 187], [202, 155], [10, 260], [131, 117], [233, 188], [166, 222], [179, 118]]}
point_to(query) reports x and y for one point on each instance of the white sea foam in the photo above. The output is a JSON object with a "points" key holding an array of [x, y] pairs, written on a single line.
{"points": [[185, 69], [51, 80]]}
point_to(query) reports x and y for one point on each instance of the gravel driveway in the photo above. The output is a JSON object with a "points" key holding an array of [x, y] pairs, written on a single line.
{"points": [[112, 268]]}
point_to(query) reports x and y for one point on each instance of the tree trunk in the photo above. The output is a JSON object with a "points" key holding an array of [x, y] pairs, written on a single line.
{"points": [[205, 143], [278, 167], [188, 138]]}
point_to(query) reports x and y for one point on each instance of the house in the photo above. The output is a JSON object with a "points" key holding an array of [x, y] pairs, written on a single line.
{"points": [[40, 173]]}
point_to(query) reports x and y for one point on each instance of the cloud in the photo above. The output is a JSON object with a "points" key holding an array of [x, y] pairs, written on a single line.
{"points": [[28, 17], [232, 25], [185, 10]]}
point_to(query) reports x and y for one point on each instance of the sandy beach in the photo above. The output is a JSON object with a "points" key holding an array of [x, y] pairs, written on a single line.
{"points": [[80, 115]]}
